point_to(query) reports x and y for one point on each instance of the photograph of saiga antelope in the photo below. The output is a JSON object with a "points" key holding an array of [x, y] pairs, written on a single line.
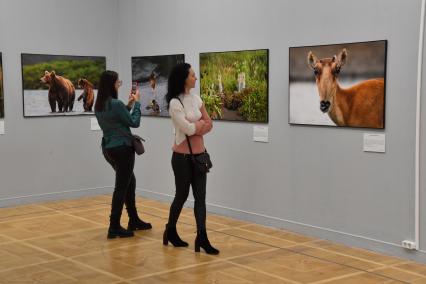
{"points": [[59, 85], [1, 89], [152, 73], [338, 85]]}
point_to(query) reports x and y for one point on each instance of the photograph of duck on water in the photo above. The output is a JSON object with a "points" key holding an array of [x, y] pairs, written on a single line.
{"points": [[152, 73]]}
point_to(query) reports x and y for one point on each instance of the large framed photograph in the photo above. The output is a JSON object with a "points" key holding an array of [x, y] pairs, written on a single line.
{"points": [[1, 89], [59, 85], [152, 73], [234, 85], [340, 85]]}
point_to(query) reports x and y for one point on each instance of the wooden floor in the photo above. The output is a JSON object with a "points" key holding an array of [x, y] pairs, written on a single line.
{"points": [[65, 242]]}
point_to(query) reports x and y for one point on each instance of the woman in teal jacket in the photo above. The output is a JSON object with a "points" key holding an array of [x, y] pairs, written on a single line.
{"points": [[115, 120]]}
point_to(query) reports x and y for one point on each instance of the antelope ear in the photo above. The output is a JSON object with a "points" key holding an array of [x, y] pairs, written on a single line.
{"points": [[341, 58], [312, 60]]}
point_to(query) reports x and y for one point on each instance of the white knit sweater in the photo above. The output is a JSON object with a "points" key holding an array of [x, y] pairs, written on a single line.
{"points": [[184, 118]]}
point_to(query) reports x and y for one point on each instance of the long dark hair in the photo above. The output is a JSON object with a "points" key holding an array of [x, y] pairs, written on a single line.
{"points": [[106, 89], [177, 78]]}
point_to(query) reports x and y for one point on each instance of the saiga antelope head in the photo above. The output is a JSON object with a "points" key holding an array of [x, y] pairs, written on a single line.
{"points": [[326, 71]]}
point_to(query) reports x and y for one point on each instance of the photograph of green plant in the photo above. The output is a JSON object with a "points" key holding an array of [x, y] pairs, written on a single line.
{"points": [[60, 84], [234, 85], [1, 89]]}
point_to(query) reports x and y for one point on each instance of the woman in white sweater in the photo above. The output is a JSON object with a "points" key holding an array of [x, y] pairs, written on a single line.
{"points": [[189, 118]]}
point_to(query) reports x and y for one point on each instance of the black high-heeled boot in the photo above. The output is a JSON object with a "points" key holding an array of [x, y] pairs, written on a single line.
{"points": [[171, 235], [202, 241], [119, 232]]}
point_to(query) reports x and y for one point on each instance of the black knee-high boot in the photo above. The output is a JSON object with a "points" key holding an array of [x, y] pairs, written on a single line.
{"points": [[171, 235], [202, 241]]}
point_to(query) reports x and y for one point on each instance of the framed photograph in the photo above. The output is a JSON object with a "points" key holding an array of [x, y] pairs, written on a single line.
{"points": [[234, 85], [151, 74], [60, 85], [340, 85], [1, 89]]}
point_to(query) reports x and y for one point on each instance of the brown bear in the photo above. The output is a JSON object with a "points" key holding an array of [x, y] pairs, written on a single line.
{"points": [[61, 90], [88, 95]]}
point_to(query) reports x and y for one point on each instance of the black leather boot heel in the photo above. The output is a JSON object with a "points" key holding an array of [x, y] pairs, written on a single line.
{"points": [[201, 241], [171, 235]]}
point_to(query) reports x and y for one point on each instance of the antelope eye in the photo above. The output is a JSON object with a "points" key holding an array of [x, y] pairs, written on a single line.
{"points": [[316, 71], [336, 71]]}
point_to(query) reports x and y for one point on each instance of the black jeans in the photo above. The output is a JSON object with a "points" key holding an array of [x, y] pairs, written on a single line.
{"points": [[122, 160], [186, 175]]}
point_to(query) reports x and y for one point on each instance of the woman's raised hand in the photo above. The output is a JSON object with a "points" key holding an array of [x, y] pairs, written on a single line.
{"points": [[135, 96]]}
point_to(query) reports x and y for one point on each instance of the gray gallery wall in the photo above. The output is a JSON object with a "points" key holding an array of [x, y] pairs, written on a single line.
{"points": [[41, 156], [315, 180]]}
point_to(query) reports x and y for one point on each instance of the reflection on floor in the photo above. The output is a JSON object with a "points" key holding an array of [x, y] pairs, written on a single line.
{"points": [[65, 242]]}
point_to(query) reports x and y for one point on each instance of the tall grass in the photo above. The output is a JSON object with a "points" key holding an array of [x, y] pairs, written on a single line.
{"points": [[72, 70], [250, 103]]}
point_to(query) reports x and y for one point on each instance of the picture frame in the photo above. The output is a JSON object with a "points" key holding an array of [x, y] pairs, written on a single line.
{"points": [[340, 85], [234, 85], [151, 74], [60, 85]]}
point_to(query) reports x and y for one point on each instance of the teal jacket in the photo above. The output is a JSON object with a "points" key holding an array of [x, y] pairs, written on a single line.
{"points": [[117, 115]]}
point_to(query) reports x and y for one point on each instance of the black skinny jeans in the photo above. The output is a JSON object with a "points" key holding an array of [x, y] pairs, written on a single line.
{"points": [[186, 175], [122, 160]]}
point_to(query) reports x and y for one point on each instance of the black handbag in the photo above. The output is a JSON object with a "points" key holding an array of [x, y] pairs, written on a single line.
{"points": [[202, 162], [137, 144]]}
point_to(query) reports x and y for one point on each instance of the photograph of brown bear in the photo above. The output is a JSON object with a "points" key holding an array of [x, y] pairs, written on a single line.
{"points": [[88, 95], [1, 89], [61, 91], [340, 85], [60, 85]]}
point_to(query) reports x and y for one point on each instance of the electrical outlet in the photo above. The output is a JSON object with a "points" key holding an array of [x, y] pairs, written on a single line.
{"points": [[408, 244]]}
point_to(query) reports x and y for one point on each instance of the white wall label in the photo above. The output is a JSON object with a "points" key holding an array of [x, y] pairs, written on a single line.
{"points": [[94, 124], [1, 127], [374, 142], [260, 133]]}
